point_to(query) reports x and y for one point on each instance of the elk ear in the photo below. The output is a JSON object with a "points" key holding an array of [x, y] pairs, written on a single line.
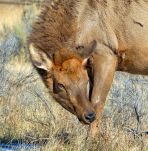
{"points": [[87, 62], [86, 51], [40, 59]]}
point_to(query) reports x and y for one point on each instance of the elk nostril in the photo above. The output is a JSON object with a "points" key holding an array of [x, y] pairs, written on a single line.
{"points": [[90, 117]]}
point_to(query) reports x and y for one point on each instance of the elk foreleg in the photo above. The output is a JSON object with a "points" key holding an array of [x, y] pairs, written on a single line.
{"points": [[104, 67]]}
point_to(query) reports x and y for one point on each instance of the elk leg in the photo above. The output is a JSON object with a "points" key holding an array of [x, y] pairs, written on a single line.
{"points": [[104, 67]]}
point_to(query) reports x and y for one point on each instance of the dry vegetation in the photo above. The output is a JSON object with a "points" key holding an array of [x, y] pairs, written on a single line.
{"points": [[28, 114]]}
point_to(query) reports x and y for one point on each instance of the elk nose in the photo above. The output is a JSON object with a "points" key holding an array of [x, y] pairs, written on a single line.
{"points": [[90, 117]]}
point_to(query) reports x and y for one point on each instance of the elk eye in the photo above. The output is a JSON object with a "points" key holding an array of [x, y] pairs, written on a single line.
{"points": [[57, 87], [61, 86]]}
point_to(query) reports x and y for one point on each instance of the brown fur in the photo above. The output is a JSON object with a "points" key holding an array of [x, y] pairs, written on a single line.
{"points": [[112, 34], [49, 32]]}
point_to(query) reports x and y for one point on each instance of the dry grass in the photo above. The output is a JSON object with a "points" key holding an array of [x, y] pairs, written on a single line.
{"points": [[29, 114], [25, 115], [11, 15]]}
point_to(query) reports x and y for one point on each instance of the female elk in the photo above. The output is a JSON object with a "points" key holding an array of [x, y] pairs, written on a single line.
{"points": [[79, 44]]}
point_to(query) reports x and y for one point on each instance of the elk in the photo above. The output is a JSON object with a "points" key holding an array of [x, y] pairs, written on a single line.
{"points": [[76, 47]]}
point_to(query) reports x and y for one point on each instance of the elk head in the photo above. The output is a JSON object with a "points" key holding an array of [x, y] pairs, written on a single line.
{"points": [[65, 74]]}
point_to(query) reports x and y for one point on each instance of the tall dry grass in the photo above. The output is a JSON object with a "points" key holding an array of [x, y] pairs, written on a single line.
{"points": [[11, 14]]}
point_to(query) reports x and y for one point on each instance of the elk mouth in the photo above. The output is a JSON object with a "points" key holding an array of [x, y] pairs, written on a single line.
{"points": [[88, 118], [85, 122]]}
